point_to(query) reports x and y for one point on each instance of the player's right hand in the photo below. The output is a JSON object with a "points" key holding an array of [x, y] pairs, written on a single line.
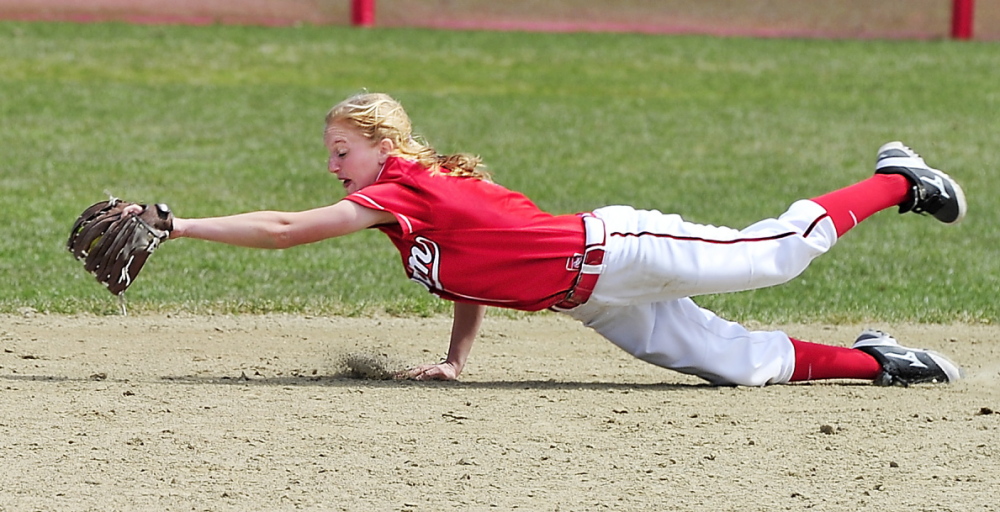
{"points": [[440, 371]]}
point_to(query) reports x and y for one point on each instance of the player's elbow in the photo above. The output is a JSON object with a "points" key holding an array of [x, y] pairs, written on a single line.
{"points": [[281, 233], [283, 237], [291, 229]]}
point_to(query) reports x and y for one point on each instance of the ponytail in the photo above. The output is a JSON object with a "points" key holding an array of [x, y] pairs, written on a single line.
{"points": [[378, 116]]}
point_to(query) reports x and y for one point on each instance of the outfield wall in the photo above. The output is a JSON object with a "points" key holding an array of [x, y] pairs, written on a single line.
{"points": [[893, 19]]}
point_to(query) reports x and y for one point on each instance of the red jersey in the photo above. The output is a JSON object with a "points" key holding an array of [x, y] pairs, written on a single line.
{"points": [[469, 240]]}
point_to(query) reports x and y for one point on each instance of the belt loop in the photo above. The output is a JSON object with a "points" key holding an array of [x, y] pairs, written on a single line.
{"points": [[594, 230], [596, 237]]}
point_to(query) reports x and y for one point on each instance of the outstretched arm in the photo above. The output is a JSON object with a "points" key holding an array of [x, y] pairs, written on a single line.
{"points": [[468, 319], [280, 230]]}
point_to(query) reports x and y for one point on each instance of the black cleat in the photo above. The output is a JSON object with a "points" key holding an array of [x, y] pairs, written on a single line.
{"points": [[905, 366], [933, 191]]}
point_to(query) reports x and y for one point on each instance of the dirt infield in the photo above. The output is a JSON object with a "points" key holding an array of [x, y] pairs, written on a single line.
{"points": [[257, 413]]}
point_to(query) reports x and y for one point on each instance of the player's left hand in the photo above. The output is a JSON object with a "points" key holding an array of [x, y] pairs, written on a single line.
{"points": [[440, 371], [114, 238]]}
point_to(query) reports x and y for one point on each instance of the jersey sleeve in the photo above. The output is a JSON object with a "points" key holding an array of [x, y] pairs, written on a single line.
{"points": [[403, 202]]}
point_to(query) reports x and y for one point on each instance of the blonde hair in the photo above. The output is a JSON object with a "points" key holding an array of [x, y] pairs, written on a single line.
{"points": [[378, 116]]}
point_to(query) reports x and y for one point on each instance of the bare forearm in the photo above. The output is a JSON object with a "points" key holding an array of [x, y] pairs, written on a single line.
{"points": [[262, 230], [279, 230], [468, 320]]}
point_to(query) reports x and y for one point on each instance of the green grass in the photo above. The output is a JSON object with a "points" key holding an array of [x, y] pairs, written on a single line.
{"points": [[217, 120]]}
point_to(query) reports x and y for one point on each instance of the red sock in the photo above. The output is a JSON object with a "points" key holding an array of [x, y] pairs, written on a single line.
{"points": [[814, 361], [851, 205]]}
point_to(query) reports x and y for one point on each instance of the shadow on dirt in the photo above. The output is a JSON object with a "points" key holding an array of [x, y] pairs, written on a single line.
{"points": [[348, 381]]}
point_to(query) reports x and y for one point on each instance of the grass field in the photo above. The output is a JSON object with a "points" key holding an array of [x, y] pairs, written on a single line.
{"points": [[217, 120]]}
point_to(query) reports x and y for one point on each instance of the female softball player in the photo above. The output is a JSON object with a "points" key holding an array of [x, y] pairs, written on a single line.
{"points": [[626, 273]]}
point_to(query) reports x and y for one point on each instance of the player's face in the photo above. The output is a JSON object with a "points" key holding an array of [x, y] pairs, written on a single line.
{"points": [[355, 160]]}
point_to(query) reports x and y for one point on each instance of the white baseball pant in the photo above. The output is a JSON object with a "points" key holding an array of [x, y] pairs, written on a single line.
{"points": [[654, 262]]}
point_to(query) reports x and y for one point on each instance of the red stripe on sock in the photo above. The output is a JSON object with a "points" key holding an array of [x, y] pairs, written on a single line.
{"points": [[814, 361], [850, 205]]}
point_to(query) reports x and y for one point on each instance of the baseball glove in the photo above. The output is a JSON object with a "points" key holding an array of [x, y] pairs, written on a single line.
{"points": [[114, 246]]}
